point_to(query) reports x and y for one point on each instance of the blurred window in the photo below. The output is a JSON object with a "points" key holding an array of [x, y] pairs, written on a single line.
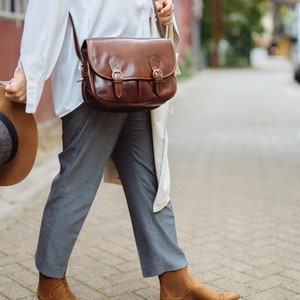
{"points": [[13, 9]]}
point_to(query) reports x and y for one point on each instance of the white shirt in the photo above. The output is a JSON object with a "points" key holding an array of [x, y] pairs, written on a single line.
{"points": [[48, 45], [47, 49]]}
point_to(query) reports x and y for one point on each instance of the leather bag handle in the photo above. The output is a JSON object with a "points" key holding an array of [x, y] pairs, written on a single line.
{"points": [[76, 42]]}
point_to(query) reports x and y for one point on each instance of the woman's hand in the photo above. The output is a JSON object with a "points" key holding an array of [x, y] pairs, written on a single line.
{"points": [[16, 89], [165, 10]]}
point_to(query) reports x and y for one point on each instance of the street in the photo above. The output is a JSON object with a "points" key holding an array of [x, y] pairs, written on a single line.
{"points": [[234, 154]]}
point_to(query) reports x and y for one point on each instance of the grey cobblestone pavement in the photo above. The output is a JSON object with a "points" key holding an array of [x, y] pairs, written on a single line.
{"points": [[235, 164]]}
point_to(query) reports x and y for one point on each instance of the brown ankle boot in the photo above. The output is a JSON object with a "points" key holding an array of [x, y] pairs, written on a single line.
{"points": [[179, 285], [54, 289]]}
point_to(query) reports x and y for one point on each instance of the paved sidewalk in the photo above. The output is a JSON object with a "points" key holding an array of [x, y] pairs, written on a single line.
{"points": [[235, 164]]}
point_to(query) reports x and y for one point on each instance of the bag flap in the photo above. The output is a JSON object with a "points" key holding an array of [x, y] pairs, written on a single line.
{"points": [[131, 56]]}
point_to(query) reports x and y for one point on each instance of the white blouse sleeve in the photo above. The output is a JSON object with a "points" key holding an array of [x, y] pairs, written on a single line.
{"points": [[43, 35]]}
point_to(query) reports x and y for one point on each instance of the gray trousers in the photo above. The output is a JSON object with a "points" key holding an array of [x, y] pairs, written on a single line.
{"points": [[89, 139]]}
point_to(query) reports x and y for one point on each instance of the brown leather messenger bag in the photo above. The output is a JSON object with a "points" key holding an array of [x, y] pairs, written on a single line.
{"points": [[127, 74]]}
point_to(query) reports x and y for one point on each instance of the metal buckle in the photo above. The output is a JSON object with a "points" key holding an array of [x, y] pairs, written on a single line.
{"points": [[117, 75], [157, 74]]}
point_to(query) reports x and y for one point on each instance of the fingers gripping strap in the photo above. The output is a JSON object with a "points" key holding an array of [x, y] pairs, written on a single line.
{"points": [[158, 22]]}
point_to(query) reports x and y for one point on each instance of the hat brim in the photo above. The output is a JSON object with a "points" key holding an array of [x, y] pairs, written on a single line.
{"points": [[19, 167]]}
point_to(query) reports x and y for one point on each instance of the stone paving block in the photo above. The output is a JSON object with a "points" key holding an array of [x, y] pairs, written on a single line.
{"points": [[269, 282], [112, 260], [86, 292], [3, 277], [129, 266], [260, 272], [125, 277], [123, 288], [265, 260], [293, 285], [149, 293], [130, 256], [14, 290], [115, 249], [270, 250], [235, 265], [289, 264], [94, 275], [18, 273], [127, 297], [290, 274], [7, 260], [239, 277], [272, 294]]}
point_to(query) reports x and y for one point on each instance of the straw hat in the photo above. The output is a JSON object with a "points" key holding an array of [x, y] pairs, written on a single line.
{"points": [[18, 141]]}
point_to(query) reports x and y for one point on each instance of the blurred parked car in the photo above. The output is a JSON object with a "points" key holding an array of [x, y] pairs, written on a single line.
{"points": [[295, 49]]}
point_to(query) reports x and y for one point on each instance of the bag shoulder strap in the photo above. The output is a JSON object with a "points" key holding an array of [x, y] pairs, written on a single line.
{"points": [[76, 42]]}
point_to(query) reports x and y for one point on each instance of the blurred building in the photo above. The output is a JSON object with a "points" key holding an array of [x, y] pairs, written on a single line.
{"points": [[282, 35], [188, 15]]}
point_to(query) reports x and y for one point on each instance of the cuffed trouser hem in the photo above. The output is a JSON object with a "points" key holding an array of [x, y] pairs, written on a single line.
{"points": [[156, 270], [53, 273]]}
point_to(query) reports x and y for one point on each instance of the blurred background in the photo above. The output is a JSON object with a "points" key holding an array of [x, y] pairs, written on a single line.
{"points": [[214, 34]]}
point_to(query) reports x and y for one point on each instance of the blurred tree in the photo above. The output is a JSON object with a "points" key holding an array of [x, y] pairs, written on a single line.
{"points": [[240, 19]]}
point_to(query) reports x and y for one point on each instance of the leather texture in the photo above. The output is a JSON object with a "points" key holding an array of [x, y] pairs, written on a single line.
{"points": [[54, 289], [128, 75]]}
